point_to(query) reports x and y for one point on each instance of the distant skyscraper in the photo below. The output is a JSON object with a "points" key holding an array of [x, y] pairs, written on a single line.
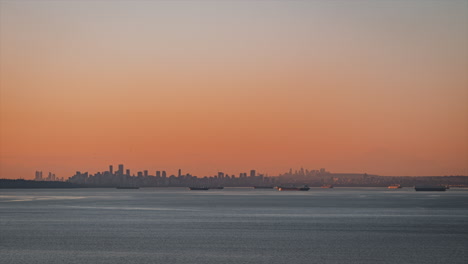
{"points": [[220, 175], [164, 174], [180, 173], [38, 176], [121, 168], [127, 172], [252, 173], [111, 169], [145, 173], [158, 173], [140, 174]]}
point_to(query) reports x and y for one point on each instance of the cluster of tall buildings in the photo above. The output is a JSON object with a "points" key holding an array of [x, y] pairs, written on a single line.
{"points": [[160, 178], [50, 177], [123, 177], [306, 173]]}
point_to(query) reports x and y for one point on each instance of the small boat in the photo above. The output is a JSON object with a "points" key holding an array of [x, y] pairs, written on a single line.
{"points": [[263, 187], [394, 186], [127, 187], [430, 188], [328, 186], [284, 188], [199, 188]]}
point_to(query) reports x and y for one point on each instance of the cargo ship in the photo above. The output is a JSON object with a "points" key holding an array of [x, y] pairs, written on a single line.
{"points": [[199, 188], [284, 188], [394, 186], [430, 188]]}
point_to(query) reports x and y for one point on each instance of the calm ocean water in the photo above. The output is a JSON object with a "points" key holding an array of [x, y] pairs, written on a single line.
{"points": [[234, 225]]}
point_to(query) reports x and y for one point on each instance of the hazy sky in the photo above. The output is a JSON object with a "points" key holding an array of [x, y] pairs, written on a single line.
{"points": [[352, 86]]}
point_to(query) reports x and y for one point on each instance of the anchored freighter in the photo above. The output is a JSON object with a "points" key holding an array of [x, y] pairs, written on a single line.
{"points": [[284, 188], [430, 188]]}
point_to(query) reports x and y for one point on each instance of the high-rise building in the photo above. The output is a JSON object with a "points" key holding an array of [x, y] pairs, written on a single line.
{"points": [[140, 174], [252, 173], [220, 175], [127, 172], [179, 173], [38, 176], [158, 174], [164, 174], [121, 168], [111, 169], [145, 173]]}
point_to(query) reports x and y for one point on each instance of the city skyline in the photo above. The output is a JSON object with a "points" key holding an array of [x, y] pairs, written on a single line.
{"points": [[123, 170], [351, 86], [158, 172], [123, 177]]}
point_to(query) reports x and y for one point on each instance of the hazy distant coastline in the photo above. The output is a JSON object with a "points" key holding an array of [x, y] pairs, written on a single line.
{"points": [[339, 181]]}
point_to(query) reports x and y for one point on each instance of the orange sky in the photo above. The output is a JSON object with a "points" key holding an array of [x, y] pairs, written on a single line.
{"points": [[368, 86]]}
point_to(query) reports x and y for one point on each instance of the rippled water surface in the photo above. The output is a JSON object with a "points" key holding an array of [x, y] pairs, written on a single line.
{"points": [[234, 225]]}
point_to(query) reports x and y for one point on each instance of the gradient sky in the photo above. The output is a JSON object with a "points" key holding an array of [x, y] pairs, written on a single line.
{"points": [[352, 86]]}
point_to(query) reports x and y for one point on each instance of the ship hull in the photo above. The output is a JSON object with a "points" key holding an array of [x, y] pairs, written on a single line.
{"points": [[198, 188], [293, 189], [430, 189]]}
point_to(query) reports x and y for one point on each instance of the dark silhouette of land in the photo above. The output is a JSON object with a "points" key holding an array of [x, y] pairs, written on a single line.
{"points": [[29, 184]]}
